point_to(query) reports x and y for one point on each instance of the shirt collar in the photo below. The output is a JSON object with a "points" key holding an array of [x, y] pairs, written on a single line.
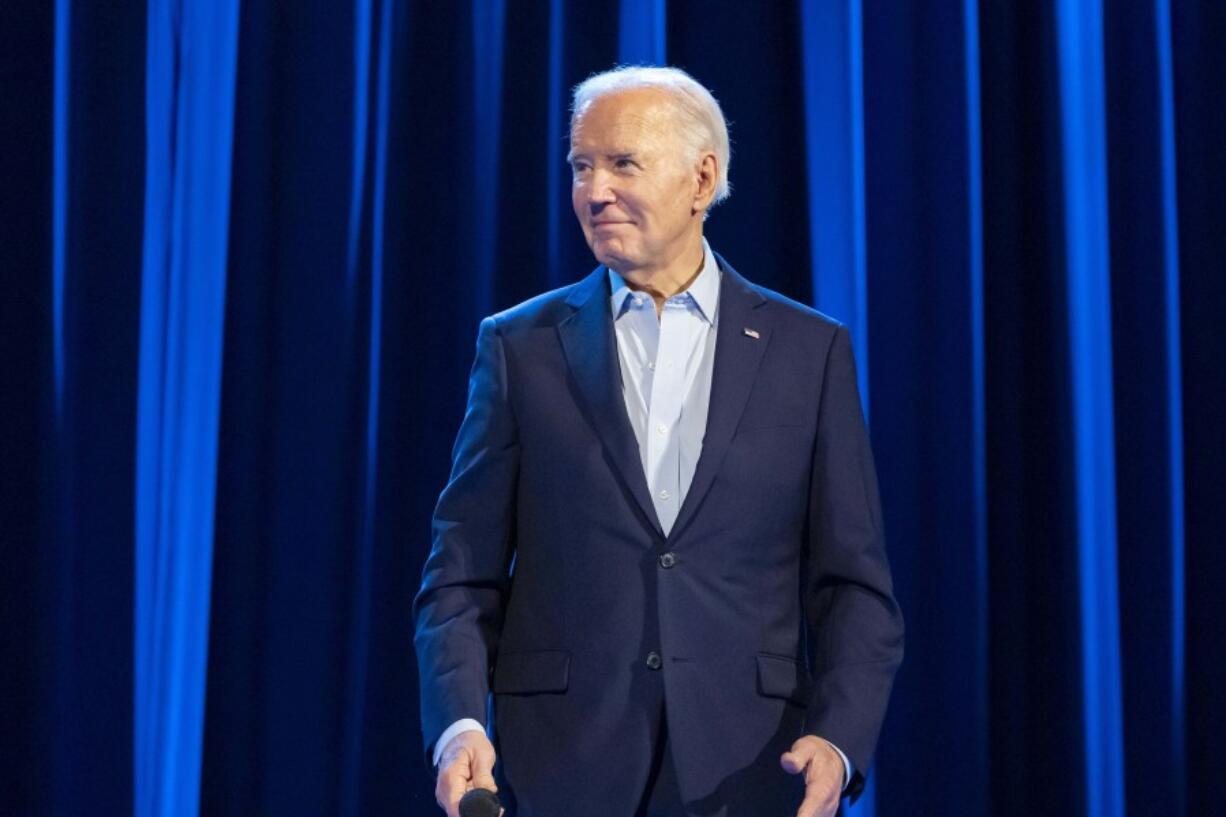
{"points": [[704, 290]]}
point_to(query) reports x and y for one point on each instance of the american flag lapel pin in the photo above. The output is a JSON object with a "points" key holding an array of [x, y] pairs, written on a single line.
{"points": [[753, 333]]}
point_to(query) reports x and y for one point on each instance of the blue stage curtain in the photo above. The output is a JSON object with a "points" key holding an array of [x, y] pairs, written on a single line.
{"points": [[925, 166], [245, 250], [189, 110], [641, 32], [71, 213], [1191, 625], [833, 87]]}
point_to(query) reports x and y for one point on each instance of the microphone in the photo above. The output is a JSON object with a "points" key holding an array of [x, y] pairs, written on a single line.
{"points": [[480, 803]]}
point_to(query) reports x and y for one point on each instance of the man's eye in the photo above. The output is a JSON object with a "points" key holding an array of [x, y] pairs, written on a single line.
{"points": [[578, 168], [622, 164]]}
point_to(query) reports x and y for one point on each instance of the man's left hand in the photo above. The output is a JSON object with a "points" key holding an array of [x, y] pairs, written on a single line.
{"points": [[823, 772]]}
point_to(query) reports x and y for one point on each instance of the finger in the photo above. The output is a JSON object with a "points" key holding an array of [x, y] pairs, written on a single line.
{"points": [[452, 783], [483, 769], [452, 804], [795, 761], [450, 791]]}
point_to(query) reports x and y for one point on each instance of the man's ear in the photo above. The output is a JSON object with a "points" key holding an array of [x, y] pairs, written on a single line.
{"points": [[706, 175]]}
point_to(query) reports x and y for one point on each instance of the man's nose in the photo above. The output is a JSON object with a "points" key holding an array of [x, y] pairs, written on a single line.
{"points": [[600, 192]]}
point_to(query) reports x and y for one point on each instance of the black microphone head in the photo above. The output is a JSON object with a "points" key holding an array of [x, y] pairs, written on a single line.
{"points": [[480, 803]]}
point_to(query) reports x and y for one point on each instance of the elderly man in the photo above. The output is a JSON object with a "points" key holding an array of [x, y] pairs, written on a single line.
{"points": [[660, 547]]}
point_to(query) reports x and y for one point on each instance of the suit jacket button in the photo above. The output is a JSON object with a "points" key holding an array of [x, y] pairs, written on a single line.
{"points": [[667, 560], [653, 660]]}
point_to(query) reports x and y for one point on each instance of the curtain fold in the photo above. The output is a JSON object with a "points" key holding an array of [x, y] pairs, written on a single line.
{"points": [[832, 62], [642, 35], [925, 174], [1147, 397], [833, 88], [358, 668], [1198, 86], [1087, 270], [71, 160], [191, 54]]}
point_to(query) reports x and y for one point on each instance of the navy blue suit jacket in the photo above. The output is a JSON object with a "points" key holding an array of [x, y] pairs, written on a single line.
{"points": [[774, 618]]}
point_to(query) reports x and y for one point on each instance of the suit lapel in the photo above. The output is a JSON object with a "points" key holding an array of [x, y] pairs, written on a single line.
{"points": [[591, 352], [737, 357]]}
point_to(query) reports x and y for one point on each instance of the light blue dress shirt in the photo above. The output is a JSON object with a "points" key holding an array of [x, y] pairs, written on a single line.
{"points": [[666, 365]]}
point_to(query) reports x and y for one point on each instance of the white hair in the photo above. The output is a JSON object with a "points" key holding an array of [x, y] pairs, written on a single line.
{"points": [[702, 121]]}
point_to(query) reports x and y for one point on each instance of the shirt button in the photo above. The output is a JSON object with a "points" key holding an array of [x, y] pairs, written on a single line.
{"points": [[662, 428], [653, 660], [665, 494], [651, 364], [667, 560]]}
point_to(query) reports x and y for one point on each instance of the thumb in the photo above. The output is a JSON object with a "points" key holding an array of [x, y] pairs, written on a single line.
{"points": [[797, 758], [483, 768]]}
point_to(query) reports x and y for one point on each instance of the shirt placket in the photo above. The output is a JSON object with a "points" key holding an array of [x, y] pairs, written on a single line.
{"points": [[664, 411]]}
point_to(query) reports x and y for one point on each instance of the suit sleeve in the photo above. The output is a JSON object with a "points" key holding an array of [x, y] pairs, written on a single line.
{"points": [[458, 610], [855, 625]]}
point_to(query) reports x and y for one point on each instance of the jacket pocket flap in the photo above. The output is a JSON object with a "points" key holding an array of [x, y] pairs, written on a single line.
{"points": [[780, 677], [526, 672]]}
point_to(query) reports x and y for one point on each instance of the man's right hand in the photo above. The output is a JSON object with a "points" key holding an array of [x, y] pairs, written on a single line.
{"points": [[467, 762]]}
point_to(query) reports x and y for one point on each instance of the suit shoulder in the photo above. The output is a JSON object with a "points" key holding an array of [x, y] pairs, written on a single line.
{"points": [[548, 308], [803, 316]]}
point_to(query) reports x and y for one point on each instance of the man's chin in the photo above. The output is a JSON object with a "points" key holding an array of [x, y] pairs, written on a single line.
{"points": [[612, 257]]}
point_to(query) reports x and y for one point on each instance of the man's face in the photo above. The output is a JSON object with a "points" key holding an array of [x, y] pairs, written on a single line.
{"points": [[634, 190]]}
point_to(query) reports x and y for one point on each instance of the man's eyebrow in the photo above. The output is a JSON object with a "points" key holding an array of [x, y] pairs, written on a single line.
{"points": [[629, 154]]}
